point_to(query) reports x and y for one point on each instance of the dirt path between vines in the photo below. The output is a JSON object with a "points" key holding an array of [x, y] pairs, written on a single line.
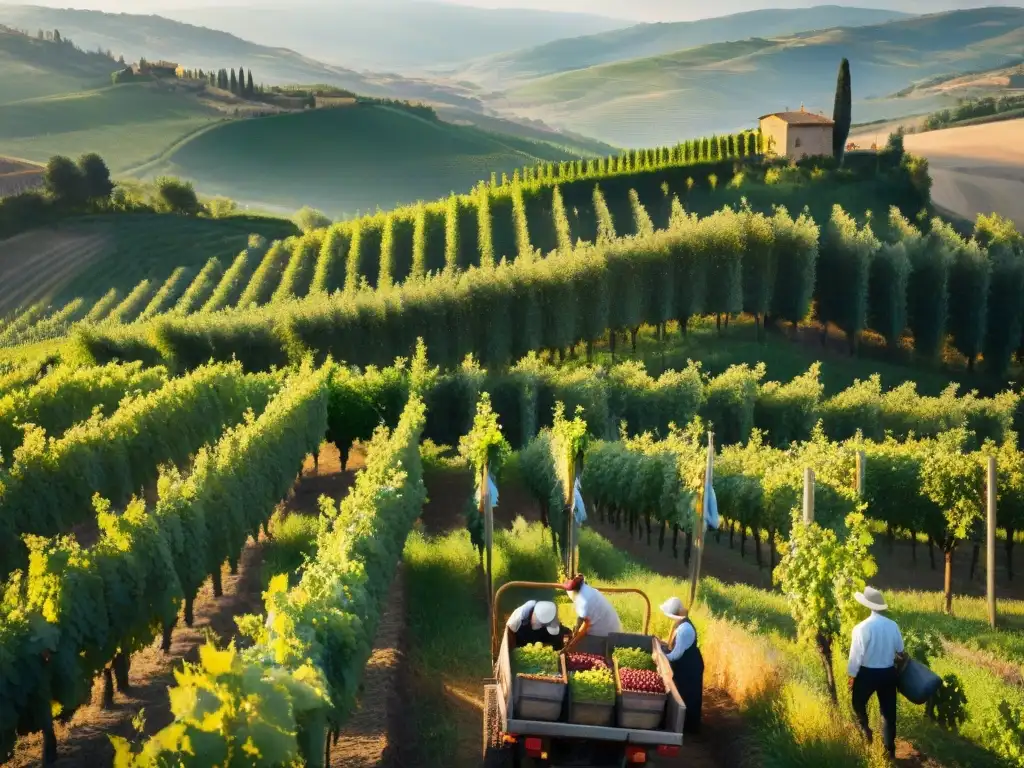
{"points": [[84, 740], [719, 746]]}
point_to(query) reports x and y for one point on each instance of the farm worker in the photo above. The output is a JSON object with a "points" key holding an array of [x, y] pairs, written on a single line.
{"points": [[595, 615], [536, 622], [686, 660], [874, 648]]}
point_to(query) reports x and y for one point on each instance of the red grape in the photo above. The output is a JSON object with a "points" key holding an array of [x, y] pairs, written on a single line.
{"points": [[584, 662], [641, 681]]}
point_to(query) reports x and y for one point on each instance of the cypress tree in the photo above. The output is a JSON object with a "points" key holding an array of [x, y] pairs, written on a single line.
{"points": [[843, 110], [234, 82], [241, 82], [249, 88]]}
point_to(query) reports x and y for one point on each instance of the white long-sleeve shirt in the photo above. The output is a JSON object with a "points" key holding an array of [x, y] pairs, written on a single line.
{"points": [[594, 607], [686, 636], [874, 645]]}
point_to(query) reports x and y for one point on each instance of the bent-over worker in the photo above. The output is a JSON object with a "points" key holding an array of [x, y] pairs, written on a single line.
{"points": [[874, 648], [536, 622], [687, 662], [595, 615]]}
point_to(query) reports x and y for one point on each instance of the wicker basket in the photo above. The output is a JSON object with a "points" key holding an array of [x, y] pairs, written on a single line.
{"points": [[539, 698], [644, 711]]}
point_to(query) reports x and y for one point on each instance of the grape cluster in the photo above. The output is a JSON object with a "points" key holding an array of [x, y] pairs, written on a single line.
{"points": [[584, 662], [594, 686], [536, 659], [633, 658], [641, 681]]}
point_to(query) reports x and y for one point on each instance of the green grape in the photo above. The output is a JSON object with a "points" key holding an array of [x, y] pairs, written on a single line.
{"points": [[536, 659], [595, 686], [633, 658]]}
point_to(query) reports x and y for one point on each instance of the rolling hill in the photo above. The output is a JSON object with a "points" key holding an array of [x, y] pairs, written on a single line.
{"points": [[726, 86], [126, 124], [155, 37], [643, 40], [346, 159], [399, 35], [30, 67]]}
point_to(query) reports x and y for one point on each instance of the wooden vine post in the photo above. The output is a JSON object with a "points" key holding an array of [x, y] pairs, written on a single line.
{"points": [[990, 541], [695, 563], [861, 461], [808, 496], [487, 513]]}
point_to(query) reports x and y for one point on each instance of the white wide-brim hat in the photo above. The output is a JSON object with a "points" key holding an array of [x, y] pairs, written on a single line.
{"points": [[871, 598], [546, 614], [673, 608]]}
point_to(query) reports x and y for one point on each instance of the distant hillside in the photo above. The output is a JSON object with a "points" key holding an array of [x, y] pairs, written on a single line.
{"points": [[402, 35], [726, 86], [346, 159], [30, 67], [643, 40], [126, 124], [155, 37]]}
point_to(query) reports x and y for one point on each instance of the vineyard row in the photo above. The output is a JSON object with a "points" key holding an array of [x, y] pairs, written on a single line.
{"points": [[934, 283], [311, 651], [77, 610], [49, 487]]}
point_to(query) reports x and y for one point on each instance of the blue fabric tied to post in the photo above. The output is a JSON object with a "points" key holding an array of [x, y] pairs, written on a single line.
{"points": [[580, 510], [492, 491]]}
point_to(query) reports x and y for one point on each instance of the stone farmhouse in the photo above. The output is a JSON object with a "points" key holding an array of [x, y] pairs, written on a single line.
{"points": [[797, 134]]}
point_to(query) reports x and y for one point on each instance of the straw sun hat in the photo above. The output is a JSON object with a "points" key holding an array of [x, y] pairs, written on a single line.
{"points": [[673, 608], [871, 598]]}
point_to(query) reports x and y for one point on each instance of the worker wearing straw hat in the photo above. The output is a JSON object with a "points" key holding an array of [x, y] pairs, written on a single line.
{"points": [[687, 662], [874, 650]]}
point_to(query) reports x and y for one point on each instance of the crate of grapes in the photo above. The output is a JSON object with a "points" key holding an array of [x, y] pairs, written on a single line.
{"points": [[591, 689], [640, 688], [539, 686]]}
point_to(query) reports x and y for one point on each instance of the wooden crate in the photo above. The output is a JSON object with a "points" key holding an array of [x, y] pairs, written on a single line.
{"points": [[675, 714], [589, 713], [537, 698], [639, 710]]}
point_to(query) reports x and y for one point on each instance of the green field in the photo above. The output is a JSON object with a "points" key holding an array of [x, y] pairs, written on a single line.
{"points": [[727, 86], [347, 159], [31, 68], [126, 124]]}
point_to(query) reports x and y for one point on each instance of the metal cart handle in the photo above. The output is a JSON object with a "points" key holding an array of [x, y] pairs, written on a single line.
{"points": [[496, 602]]}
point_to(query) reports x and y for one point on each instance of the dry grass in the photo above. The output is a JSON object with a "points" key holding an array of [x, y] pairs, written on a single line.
{"points": [[740, 663], [975, 169]]}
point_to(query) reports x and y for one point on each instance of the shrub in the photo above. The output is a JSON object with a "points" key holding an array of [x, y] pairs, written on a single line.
{"points": [[175, 196], [307, 219]]}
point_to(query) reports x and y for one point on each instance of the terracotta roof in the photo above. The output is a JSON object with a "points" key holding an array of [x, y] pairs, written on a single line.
{"points": [[800, 118]]}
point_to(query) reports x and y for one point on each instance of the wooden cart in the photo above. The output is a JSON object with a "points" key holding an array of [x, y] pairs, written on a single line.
{"points": [[511, 741]]}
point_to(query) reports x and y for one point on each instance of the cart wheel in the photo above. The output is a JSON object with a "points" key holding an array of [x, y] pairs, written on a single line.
{"points": [[496, 753]]}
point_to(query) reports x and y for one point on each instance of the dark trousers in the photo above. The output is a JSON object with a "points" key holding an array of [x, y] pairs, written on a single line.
{"points": [[882, 682]]}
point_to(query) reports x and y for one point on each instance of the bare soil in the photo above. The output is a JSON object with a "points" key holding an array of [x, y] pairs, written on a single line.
{"points": [[84, 740]]}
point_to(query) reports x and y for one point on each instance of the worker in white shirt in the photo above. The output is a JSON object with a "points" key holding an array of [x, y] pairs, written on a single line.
{"points": [[874, 652], [595, 615], [687, 662], [536, 622]]}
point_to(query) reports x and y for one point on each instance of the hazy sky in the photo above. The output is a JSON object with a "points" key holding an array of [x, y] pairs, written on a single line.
{"points": [[638, 10]]}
